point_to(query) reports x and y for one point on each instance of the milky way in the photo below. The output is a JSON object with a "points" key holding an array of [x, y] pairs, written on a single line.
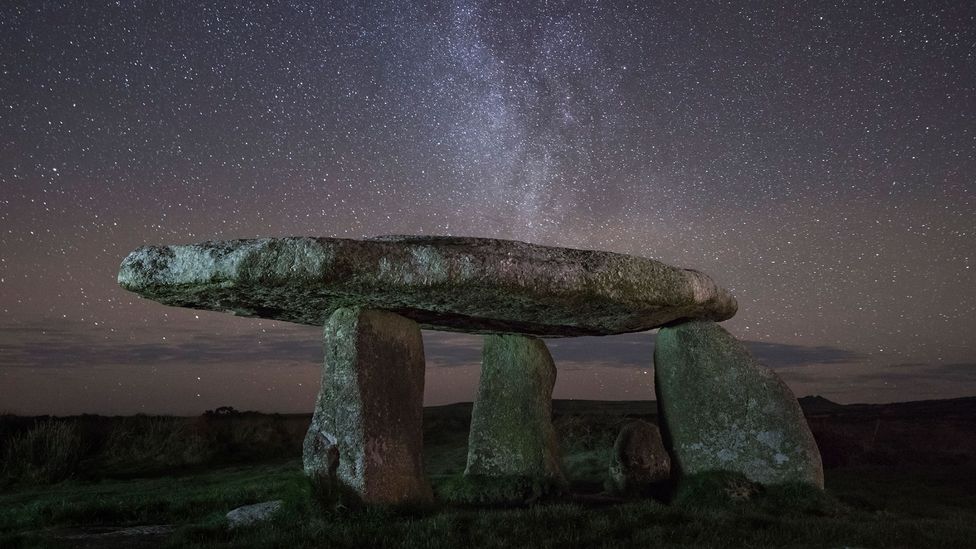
{"points": [[817, 159]]}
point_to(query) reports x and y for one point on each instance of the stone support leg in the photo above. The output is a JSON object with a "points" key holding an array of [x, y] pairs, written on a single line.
{"points": [[511, 423], [723, 411], [366, 438]]}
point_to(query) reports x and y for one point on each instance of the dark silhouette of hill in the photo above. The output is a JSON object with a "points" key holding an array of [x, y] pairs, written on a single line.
{"points": [[818, 405], [920, 433], [954, 407]]}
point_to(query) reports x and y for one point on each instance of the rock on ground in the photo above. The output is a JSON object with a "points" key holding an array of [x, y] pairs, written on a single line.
{"points": [[639, 460], [722, 410], [146, 535], [366, 437], [446, 283], [511, 421], [249, 514]]}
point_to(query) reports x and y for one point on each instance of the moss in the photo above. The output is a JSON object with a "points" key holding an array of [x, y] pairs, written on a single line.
{"points": [[499, 490], [729, 489], [715, 489], [511, 422]]}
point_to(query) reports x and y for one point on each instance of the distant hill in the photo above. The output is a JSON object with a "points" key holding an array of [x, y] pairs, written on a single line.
{"points": [[818, 405], [918, 409], [929, 433], [812, 406]]}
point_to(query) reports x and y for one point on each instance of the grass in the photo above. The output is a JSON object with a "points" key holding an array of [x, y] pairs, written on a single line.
{"points": [[189, 499], [45, 450], [189, 476], [865, 508], [48, 452], [479, 490]]}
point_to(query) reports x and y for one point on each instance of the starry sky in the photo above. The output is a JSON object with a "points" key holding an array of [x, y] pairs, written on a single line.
{"points": [[817, 158]]}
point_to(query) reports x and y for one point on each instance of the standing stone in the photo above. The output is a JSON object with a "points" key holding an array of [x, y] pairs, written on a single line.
{"points": [[722, 410], [511, 422], [639, 460], [366, 438]]}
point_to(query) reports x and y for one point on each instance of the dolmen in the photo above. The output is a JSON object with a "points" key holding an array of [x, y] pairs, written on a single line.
{"points": [[719, 408]]}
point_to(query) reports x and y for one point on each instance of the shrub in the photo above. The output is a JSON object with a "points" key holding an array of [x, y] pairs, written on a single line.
{"points": [[581, 433], [146, 442], [48, 452]]}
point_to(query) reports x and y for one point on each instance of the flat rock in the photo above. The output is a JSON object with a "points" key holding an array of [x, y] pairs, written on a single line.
{"points": [[146, 533], [249, 514], [722, 410], [443, 283]]}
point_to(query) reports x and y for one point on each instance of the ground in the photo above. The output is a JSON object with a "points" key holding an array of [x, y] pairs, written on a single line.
{"points": [[879, 494]]}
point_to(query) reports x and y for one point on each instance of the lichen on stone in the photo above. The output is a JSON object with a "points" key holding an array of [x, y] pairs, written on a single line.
{"points": [[446, 283], [511, 421], [366, 436], [722, 410]]}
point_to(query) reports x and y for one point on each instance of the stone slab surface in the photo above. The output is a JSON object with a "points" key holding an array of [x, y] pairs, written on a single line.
{"points": [[721, 410], [444, 283]]}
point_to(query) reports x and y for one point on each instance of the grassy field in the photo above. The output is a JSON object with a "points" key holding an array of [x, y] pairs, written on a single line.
{"points": [[881, 490]]}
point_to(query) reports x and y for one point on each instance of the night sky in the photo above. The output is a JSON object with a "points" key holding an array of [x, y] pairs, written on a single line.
{"points": [[816, 158]]}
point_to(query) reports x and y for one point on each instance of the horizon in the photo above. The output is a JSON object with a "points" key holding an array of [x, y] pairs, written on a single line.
{"points": [[603, 368], [800, 399]]}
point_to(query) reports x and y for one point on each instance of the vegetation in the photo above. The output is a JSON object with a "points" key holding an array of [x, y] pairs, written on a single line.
{"points": [[864, 508], [47, 452], [513, 490], [873, 499]]}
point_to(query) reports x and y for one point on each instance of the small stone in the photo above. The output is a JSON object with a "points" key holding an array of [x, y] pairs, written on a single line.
{"points": [[723, 411], [365, 443], [639, 460], [249, 514], [511, 423]]}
